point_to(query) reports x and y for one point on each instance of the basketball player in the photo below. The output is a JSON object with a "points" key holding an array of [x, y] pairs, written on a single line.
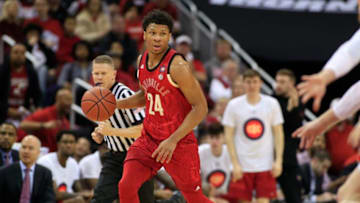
{"points": [[175, 104], [314, 86], [253, 129]]}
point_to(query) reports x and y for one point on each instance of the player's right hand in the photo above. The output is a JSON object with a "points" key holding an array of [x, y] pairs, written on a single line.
{"points": [[237, 173], [97, 137], [312, 87]]}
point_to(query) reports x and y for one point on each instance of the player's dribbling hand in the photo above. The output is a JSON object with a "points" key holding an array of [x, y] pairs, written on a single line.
{"points": [[276, 169], [237, 173], [164, 151], [97, 137], [312, 87], [308, 132], [354, 138]]}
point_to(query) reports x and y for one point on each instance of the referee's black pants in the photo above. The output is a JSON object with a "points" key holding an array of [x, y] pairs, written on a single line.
{"points": [[290, 184], [106, 190]]}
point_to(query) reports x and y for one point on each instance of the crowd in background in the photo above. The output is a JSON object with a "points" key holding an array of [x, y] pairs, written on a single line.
{"points": [[64, 36]]}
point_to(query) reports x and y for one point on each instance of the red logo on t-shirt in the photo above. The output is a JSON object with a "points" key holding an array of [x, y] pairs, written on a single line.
{"points": [[254, 128], [217, 178]]}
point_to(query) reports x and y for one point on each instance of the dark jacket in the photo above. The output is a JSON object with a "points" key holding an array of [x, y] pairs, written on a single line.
{"points": [[33, 94], [14, 155], [11, 184]]}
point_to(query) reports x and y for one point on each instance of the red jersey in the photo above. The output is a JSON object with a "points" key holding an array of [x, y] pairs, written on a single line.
{"points": [[166, 105], [19, 84]]}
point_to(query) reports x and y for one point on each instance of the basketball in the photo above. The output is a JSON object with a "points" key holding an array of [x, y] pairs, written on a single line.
{"points": [[98, 104]]}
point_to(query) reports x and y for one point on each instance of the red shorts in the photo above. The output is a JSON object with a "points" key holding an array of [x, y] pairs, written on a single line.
{"points": [[184, 167], [263, 183]]}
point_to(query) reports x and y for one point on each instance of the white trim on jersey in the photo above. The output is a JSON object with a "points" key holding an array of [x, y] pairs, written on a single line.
{"points": [[123, 118]]}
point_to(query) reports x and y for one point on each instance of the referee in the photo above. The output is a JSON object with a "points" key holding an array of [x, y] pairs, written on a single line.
{"points": [[106, 190]]}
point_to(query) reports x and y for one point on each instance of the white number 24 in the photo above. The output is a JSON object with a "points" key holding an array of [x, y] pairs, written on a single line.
{"points": [[155, 104]]}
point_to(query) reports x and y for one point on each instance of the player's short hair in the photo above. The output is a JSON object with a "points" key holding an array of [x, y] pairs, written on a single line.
{"points": [[215, 129], [250, 73], [104, 59], [158, 17], [61, 133], [287, 72]]}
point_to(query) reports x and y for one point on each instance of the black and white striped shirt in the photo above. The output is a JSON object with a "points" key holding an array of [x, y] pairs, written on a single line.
{"points": [[123, 118]]}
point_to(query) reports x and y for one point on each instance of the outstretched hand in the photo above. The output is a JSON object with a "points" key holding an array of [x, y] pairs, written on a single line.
{"points": [[312, 87], [308, 132], [164, 151]]}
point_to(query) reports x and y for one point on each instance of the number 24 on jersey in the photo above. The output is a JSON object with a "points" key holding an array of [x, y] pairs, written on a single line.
{"points": [[155, 104]]}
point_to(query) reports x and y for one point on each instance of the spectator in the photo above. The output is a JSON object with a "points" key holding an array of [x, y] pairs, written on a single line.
{"points": [[133, 23], [57, 10], [80, 68], [223, 53], [123, 76], [45, 60], [237, 87], [10, 22], [26, 181], [183, 46], [118, 34], [92, 23], [220, 86], [67, 41], [52, 27], [20, 91], [46, 123], [215, 165], [293, 112], [252, 133], [65, 170], [337, 146], [305, 156], [82, 149], [217, 113], [140, 4], [315, 174], [90, 167], [8, 137]]}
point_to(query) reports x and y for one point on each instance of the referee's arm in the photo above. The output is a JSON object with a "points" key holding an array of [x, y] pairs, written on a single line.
{"points": [[131, 132]]}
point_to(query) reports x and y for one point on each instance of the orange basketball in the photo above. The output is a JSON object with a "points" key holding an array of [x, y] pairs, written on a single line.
{"points": [[98, 104]]}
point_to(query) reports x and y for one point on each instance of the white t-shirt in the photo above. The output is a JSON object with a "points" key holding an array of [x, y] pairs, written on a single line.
{"points": [[215, 170], [64, 177], [253, 131], [218, 90], [90, 166]]}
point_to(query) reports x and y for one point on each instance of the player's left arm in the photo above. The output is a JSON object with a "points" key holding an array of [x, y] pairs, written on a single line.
{"points": [[181, 74]]}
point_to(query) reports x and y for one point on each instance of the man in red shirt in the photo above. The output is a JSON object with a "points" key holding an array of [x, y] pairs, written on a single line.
{"points": [[47, 122], [175, 104], [19, 84]]}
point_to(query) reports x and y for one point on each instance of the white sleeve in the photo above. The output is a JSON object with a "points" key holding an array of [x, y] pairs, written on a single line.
{"points": [[217, 90], [229, 116], [277, 116], [346, 57], [349, 102]]}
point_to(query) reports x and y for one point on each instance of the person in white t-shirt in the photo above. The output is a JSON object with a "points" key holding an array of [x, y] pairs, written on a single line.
{"points": [[215, 165], [90, 167], [253, 128], [65, 171]]}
